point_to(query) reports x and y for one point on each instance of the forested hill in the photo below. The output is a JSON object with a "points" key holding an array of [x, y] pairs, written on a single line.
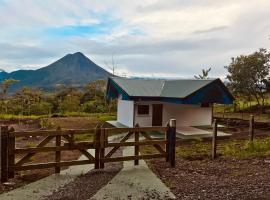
{"points": [[73, 69]]}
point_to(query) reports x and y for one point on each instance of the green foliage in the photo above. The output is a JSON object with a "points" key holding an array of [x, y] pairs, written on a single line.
{"points": [[11, 116], [259, 147], [41, 108], [94, 106], [64, 101], [248, 75], [197, 148], [107, 117]]}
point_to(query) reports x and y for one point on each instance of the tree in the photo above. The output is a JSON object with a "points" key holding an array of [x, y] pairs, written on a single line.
{"points": [[248, 75], [204, 75], [111, 66], [5, 85]]}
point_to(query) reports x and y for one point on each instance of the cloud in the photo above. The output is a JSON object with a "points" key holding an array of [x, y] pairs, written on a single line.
{"points": [[151, 37]]}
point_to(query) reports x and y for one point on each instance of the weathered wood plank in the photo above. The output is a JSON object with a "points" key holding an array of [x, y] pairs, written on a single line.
{"points": [[67, 146], [127, 158], [97, 146], [136, 147], [140, 143], [58, 153], [102, 148], [4, 154], [214, 140], [52, 132], [139, 129], [172, 135], [11, 153], [251, 128], [52, 164]]}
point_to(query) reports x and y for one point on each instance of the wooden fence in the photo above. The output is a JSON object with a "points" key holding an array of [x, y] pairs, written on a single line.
{"points": [[100, 142], [215, 137]]}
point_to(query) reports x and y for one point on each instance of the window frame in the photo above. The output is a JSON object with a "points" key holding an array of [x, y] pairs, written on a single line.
{"points": [[143, 113]]}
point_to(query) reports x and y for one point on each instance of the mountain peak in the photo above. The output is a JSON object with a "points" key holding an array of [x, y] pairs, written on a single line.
{"points": [[71, 69], [76, 55]]}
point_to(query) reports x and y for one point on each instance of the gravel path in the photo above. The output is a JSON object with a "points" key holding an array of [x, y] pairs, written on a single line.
{"points": [[85, 186], [227, 179]]}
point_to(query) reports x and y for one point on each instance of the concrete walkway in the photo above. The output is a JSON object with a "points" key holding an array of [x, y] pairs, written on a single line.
{"points": [[134, 182], [189, 132]]}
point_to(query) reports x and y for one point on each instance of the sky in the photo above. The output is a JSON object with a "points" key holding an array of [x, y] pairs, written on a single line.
{"points": [[153, 38]]}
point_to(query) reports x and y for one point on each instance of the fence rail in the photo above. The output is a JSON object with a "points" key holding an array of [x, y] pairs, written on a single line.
{"points": [[100, 143]]}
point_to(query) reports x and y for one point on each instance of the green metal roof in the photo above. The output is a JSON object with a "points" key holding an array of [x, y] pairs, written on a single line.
{"points": [[161, 88]]}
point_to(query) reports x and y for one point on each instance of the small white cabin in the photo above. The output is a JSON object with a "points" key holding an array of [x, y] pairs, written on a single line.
{"points": [[155, 102]]}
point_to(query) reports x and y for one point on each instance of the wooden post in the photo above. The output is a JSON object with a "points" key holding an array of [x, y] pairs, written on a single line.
{"points": [[172, 135], [97, 146], [167, 142], [11, 154], [251, 128], [4, 154], [102, 148], [58, 153], [214, 140], [136, 147]]}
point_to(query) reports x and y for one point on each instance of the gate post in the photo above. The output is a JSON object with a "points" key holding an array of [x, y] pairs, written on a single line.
{"points": [[136, 147], [214, 140], [251, 128], [57, 169], [11, 154], [167, 135], [97, 146], [4, 154], [102, 148], [172, 135]]}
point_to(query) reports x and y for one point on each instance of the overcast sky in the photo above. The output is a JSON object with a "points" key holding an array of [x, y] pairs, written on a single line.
{"points": [[175, 38]]}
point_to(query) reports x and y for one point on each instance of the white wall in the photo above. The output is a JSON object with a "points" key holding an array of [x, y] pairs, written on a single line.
{"points": [[185, 115], [125, 112]]}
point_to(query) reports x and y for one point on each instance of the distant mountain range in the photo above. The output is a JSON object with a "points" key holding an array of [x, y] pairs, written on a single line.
{"points": [[73, 69]]}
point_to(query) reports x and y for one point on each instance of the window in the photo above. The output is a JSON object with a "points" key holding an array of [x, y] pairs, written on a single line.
{"points": [[205, 105], [143, 109]]}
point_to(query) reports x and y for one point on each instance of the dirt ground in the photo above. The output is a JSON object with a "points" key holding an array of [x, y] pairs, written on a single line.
{"points": [[219, 179]]}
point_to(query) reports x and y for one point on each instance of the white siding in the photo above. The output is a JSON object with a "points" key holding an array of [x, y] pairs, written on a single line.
{"points": [[185, 115], [125, 112]]}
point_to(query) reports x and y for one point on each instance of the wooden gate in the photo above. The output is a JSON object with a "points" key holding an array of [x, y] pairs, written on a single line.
{"points": [[64, 140], [100, 143], [168, 141]]}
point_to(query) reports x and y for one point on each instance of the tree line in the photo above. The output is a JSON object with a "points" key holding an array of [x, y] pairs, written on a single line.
{"points": [[34, 101]]}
